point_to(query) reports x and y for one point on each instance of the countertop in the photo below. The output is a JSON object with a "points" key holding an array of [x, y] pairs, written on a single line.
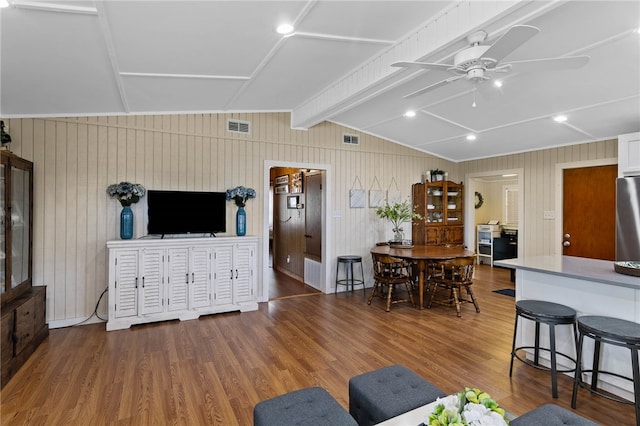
{"points": [[573, 267]]}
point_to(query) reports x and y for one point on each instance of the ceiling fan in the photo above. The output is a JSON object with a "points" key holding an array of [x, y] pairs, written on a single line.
{"points": [[478, 61]]}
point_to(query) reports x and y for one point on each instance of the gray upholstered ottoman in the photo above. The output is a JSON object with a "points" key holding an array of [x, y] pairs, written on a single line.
{"points": [[310, 406], [381, 394], [551, 415]]}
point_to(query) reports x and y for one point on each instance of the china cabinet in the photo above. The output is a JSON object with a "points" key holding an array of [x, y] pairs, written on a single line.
{"points": [[23, 324], [441, 205]]}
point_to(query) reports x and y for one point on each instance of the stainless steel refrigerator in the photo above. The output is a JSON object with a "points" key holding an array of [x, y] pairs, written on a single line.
{"points": [[628, 218]]}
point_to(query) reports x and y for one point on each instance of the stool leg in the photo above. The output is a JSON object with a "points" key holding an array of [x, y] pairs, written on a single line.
{"points": [[337, 271], [352, 279], [513, 345], [536, 351], [577, 379], [596, 365], [364, 290], [554, 368], [636, 382]]}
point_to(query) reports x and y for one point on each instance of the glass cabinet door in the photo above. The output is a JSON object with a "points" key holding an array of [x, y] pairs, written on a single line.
{"points": [[20, 219], [435, 200], [454, 204]]}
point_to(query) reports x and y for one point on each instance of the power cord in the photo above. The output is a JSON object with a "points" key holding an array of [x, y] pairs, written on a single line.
{"points": [[95, 310]]}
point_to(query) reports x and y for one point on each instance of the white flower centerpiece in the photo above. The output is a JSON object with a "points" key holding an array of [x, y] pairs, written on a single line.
{"points": [[240, 195], [471, 407]]}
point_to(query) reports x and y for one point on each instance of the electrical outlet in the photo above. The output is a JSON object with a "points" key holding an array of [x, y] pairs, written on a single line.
{"points": [[288, 259], [549, 214]]}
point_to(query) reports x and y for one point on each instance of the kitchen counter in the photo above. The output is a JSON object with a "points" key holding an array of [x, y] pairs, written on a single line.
{"points": [[575, 267], [589, 286]]}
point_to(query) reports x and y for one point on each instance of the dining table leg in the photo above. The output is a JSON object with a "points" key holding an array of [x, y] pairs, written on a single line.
{"points": [[421, 268]]}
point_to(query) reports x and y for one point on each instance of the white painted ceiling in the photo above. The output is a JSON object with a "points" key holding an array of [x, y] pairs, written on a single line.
{"points": [[78, 58]]}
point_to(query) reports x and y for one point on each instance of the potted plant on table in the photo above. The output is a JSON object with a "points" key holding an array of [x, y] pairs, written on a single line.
{"points": [[397, 214]]}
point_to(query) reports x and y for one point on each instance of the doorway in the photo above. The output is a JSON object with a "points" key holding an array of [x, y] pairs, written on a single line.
{"points": [[498, 196], [289, 209]]}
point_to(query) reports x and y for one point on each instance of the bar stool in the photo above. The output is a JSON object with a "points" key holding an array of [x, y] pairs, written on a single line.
{"points": [[348, 262], [616, 332], [552, 314]]}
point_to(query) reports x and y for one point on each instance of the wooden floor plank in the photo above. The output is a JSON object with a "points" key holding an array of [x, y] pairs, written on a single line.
{"points": [[215, 369]]}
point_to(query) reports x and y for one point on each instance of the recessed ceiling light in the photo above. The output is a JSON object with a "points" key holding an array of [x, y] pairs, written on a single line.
{"points": [[471, 137], [285, 29], [410, 113], [560, 118], [497, 83], [638, 30], [4, 3]]}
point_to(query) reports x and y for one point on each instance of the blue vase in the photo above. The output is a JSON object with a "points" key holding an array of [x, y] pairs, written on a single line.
{"points": [[241, 222], [126, 223]]}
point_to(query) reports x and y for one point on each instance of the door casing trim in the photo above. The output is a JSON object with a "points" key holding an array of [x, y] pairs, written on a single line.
{"points": [[559, 199]]}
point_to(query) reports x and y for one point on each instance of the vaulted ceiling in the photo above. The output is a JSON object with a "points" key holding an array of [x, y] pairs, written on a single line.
{"points": [[78, 58]]}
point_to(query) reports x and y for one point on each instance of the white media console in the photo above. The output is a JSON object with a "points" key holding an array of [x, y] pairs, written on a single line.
{"points": [[180, 278]]}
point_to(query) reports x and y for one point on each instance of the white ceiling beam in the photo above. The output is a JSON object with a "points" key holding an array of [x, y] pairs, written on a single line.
{"points": [[54, 7], [444, 30]]}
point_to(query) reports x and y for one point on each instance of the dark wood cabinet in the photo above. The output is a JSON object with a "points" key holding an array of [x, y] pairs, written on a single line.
{"points": [[441, 205], [23, 326]]}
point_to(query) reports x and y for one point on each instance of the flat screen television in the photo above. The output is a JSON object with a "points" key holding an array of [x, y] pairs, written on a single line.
{"points": [[186, 212]]}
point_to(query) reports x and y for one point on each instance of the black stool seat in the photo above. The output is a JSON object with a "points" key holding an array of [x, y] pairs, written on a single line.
{"points": [[348, 261], [552, 314], [613, 331], [547, 312]]}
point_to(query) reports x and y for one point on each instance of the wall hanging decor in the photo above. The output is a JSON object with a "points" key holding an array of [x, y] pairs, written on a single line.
{"points": [[296, 183], [393, 195], [357, 196], [376, 196]]}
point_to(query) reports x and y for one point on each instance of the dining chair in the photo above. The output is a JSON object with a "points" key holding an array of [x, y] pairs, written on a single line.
{"points": [[390, 272], [454, 275]]}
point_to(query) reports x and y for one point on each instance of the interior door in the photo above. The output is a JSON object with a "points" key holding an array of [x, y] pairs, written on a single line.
{"points": [[589, 212], [313, 216]]}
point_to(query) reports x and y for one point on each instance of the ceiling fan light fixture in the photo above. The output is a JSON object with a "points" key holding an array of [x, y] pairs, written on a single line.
{"points": [[497, 83], [560, 118], [410, 114], [282, 28], [471, 137]]}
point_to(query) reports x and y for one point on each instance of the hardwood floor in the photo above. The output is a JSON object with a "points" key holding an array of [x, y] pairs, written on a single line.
{"points": [[282, 286], [212, 371]]}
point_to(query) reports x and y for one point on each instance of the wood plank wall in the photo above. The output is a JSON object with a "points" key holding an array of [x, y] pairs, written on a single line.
{"points": [[540, 185], [75, 159]]}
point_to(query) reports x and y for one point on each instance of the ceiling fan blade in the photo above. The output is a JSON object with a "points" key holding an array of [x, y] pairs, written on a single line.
{"points": [[422, 65], [550, 64], [433, 86], [515, 37]]}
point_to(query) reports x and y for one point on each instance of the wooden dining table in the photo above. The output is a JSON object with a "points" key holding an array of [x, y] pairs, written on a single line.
{"points": [[420, 256]]}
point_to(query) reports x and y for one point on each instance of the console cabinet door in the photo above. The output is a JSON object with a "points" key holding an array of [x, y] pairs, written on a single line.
{"points": [[243, 268], [178, 279], [126, 283], [223, 275], [152, 281], [200, 278]]}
